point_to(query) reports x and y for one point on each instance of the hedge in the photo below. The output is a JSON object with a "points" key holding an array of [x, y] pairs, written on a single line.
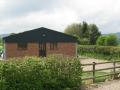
{"points": [[31, 73], [102, 52]]}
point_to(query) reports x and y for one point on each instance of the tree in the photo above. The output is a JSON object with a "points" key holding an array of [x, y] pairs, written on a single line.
{"points": [[108, 40], [111, 40], [86, 33], [93, 33], [101, 40], [0, 41], [73, 29], [84, 41]]}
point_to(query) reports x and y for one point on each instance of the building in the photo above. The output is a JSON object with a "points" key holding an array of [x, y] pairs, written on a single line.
{"points": [[39, 42]]}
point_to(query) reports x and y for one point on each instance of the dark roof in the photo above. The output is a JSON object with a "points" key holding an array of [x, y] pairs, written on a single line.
{"points": [[40, 35]]}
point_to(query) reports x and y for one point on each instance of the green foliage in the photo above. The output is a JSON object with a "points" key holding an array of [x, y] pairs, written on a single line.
{"points": [[101, 52], [101, 40], [97, 73], [30, 73], [86, 33], [0, 42], [94, 34], [111, 40], [1, 48], [108, 40], [73, 29], [119, 41], [84, 41]]}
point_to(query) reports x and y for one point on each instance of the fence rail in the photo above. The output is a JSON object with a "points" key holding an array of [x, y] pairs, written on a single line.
{"points": [[94, 70]]}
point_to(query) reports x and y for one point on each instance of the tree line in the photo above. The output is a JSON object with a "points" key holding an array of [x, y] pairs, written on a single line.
{"points": [[85, 33], [89, 34]]}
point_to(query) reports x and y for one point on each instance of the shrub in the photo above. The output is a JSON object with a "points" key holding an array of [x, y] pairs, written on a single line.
{"points": [[102, 52], [101, 40], [30, 73], [108, 40], [111, 40]]}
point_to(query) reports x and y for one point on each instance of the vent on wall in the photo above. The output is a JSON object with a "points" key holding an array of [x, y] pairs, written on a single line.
{"points": [[44, 35]]}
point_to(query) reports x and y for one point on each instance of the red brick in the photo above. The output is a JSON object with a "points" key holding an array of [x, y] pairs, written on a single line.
{"points": [[67, 49]]}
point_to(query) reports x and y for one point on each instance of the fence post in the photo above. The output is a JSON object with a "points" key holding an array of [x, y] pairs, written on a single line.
{"points": [[114, 71], [94, 71]]}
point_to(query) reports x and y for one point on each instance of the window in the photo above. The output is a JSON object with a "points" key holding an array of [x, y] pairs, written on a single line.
{"points": [[22, 46], [53, 46]]}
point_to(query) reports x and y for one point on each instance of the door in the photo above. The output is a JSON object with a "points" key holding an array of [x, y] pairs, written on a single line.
{"points": [[42, 49]]}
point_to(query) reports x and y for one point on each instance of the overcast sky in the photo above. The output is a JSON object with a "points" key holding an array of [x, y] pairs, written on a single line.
{"points": [[20, 15]]}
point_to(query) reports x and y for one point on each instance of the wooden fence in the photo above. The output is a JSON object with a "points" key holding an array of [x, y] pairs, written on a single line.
{"points": [[93, 71]]}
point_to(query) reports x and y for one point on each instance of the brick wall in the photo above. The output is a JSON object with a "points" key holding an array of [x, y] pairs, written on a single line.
{"points": [[13, 51], [67, 49]]}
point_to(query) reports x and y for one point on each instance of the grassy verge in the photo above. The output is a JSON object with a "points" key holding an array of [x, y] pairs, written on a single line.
{"points": [[98, 73]]}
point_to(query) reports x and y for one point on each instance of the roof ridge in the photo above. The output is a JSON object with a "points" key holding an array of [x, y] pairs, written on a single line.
{"points": [[28, 36]]}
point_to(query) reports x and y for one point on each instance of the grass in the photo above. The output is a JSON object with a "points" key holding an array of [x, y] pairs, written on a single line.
{"points": [[1, 47], [97, 73], [100, 52], [99, 56]]}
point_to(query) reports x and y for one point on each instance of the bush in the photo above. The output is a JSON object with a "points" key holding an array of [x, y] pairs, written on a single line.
{"points": [[30, 73], [108, 40], [101, 40], [111, 40], [102, 52]]}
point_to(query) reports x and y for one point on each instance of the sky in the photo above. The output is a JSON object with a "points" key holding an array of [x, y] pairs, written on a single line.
{"points": [[21, 15]]}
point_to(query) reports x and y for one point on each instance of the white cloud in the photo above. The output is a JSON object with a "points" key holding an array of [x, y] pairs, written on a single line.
{"points": [[101, 12], [2, 4], [58, 20], [57, 14]]}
